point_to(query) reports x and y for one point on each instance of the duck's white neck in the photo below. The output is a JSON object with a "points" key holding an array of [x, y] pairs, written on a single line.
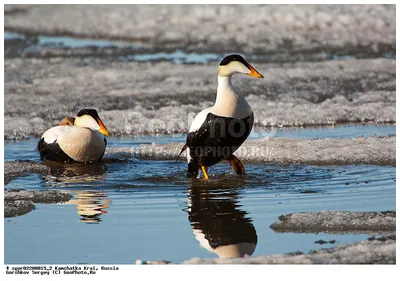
{"points": [[230, 102]]}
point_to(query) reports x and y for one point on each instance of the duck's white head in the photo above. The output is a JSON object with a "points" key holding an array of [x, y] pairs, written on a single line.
{"points": [[236, 64], [88, 118]]}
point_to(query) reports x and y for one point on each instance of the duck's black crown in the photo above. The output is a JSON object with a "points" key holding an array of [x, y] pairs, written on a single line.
{"points": [[91, 112], [234, 57]]}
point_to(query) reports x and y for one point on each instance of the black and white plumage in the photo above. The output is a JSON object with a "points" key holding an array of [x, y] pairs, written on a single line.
{"points": [[84, 141], [218, 131]]}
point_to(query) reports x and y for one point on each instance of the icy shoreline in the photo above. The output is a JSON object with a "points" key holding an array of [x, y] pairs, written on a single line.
{"points": [[372, 150]]}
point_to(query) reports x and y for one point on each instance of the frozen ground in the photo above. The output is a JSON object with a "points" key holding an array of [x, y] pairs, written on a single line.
{"points": [[147, 98], [336, 221], [209, 28], [371, 150], [372, 251]]}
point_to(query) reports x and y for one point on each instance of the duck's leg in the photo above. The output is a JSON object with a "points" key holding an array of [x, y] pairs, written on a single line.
{"points": [[204, 169], [193, 169], [236, 164]]}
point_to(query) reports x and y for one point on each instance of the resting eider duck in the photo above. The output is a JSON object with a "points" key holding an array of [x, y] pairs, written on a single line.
{"points": [[67, 121], [75, 140], [218, 131]]}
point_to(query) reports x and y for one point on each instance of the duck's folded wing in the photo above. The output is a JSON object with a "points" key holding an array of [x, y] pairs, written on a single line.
{"points": [[53, 134]]}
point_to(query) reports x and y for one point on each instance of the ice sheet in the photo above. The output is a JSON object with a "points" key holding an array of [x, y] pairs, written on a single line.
{"points": [[14, 169], [146, 98], [20, 202], [336, 221]]}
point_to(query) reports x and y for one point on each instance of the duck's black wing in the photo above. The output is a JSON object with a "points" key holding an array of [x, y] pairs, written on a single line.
{"points": [[52, 152], [217, 138]]}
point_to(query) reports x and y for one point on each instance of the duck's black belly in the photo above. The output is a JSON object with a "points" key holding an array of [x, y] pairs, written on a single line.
{"points": [[218, 138], [52, 152]]}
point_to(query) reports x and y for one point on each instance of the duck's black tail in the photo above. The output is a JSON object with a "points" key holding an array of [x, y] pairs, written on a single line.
{"points": [[182, 150], [193, 169]]}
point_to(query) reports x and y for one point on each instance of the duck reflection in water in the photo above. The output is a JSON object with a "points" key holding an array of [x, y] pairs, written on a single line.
{"points": [[62, 173], [218, 223], [90, 205]]}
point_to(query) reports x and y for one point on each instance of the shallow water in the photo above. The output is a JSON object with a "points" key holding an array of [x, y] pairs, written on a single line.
{"points": [[34, 45], [129, 209], [66, 41]]}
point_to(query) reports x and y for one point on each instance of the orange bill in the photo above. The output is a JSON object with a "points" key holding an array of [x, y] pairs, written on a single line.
{"points": [[103, 128], [255, 73]]}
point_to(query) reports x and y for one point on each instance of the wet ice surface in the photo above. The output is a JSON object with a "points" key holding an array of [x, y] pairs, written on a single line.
{"points": [[13, 208], [155, 209], [372, 150], [49, 196], [336, 221], [20, 168], [138, 98], [20, 202], [345, 145]]}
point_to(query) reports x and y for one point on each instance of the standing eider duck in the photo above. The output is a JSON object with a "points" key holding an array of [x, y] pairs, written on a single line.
{"points": [[75, 140], [218, 131]]}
